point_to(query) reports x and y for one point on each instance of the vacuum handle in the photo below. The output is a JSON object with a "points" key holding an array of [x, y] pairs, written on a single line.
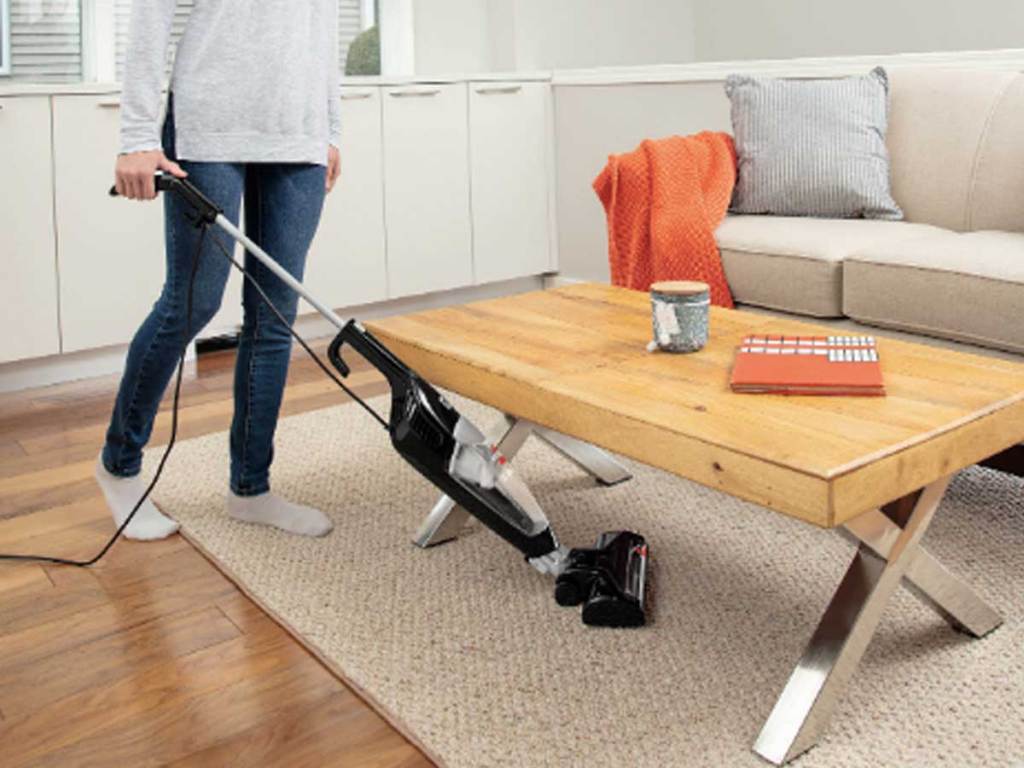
{"points": [[369, 346], [205, 208]]}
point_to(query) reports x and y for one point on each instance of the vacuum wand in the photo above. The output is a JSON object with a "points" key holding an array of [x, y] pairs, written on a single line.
{"points": [[286, 277]]}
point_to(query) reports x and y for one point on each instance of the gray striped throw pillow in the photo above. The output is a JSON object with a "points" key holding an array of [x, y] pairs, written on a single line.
{"points": [[812, 147]]}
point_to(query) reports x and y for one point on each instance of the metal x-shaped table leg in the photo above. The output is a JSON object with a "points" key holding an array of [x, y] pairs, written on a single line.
{"points": [[929, 579], [888, 553]]}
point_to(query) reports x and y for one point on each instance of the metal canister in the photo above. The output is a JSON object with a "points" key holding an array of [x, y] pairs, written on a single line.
{"points": [[680, 315]]}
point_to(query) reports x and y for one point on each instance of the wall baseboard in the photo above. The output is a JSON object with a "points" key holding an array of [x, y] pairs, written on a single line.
{"points": [[561, 281], [75, 366], [59, 369]]}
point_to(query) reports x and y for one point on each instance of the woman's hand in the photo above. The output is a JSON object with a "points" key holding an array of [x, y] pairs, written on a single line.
{"points": [[333, 166], [134, 173]]}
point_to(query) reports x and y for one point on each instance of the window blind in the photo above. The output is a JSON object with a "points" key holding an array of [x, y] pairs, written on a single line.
{"points": [[46, 40], [349, 26]]}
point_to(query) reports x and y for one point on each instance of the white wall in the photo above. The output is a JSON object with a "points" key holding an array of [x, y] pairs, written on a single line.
{"points": [[782, 29], [458, 36], [397, 37], [452, 36], [501, 30], [593, 122], [567, 34]]}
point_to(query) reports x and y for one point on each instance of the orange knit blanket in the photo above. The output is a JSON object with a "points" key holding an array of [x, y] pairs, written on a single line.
{"points": [[664, 200]]}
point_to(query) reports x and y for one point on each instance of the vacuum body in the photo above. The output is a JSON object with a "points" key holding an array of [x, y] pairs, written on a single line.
{"points": [[432, 436]]}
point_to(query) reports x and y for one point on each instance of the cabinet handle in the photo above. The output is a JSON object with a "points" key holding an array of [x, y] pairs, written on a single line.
{"points": [[354, 96], [496, 89], [110, 104], [405, 94]]}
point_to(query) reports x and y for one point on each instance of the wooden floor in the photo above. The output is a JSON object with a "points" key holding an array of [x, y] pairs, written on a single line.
{"points": [[151, 657]]}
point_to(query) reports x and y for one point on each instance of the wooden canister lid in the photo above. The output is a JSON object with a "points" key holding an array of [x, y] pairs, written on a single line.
{"points": [[680, 287]]}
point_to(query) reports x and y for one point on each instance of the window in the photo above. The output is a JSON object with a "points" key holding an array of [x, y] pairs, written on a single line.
{"points": [[5, 38], [72, 40], [350, 24], [42, 40]]}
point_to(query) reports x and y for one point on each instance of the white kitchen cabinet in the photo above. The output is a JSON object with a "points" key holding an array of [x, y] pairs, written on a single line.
{"points": [[28, 289], [426, 188], [443, 186], [509, 171], [110, 251], [347, 264]]}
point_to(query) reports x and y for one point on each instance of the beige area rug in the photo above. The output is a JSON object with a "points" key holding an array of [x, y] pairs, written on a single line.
{"points": [[465, 650]]}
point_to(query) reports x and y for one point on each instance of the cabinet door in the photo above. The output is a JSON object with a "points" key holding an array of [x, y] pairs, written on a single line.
{"points": [[111, 251], [426, 188], [28, 290], [347, 264], [508, 129]]}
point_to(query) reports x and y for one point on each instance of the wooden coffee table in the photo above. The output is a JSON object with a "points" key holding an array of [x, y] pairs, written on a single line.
{"points": [[570, 366]]}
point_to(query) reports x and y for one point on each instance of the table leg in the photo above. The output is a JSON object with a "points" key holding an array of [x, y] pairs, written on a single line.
{"points": [[591, 459], [803, 709], [928, 579]]}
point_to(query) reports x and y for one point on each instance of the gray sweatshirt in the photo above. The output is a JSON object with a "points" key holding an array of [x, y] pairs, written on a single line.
{"points": [[253, 80]]}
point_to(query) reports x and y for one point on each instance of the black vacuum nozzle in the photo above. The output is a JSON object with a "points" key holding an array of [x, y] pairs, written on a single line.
{"points": [[610, 580]]}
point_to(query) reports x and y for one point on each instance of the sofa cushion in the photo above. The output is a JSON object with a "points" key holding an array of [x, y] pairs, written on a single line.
{"points": [[997, 196], [966, 287], [795, 264], [956, 148], [812, 147]]}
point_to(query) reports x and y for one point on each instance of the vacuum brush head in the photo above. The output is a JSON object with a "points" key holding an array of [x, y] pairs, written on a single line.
{"points": [[610, 580]]}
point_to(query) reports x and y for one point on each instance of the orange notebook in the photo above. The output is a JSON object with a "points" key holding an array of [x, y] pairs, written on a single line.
{"points": [[808, 365]]}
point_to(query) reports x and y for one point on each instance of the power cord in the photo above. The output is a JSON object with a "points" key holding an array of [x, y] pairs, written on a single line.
{"points": [[204, 230], [170, 443]]}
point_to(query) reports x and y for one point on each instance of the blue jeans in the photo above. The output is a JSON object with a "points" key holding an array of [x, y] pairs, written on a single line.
{"points": [[282, 211]]}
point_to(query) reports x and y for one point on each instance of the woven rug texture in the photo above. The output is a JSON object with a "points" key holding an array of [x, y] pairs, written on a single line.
{"points": [[464, 649]]}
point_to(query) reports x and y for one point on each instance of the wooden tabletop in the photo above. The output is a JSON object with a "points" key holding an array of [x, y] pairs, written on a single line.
{"points": [[574, 359]]}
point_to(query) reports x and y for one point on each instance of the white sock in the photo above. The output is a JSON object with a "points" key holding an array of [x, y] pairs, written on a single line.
{"points": [[270, 509], [122, 494]]}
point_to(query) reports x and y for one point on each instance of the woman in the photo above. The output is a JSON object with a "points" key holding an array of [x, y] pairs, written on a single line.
{"points": [[253, 113]]}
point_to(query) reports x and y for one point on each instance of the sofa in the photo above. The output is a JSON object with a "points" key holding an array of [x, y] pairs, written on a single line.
{"points": [[954, 267]]}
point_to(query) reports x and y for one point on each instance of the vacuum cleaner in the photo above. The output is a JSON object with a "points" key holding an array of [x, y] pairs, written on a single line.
{"points": [[453, 454]]}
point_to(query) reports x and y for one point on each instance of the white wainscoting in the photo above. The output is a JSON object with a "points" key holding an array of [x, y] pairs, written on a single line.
{"points": [[55, 369]]}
